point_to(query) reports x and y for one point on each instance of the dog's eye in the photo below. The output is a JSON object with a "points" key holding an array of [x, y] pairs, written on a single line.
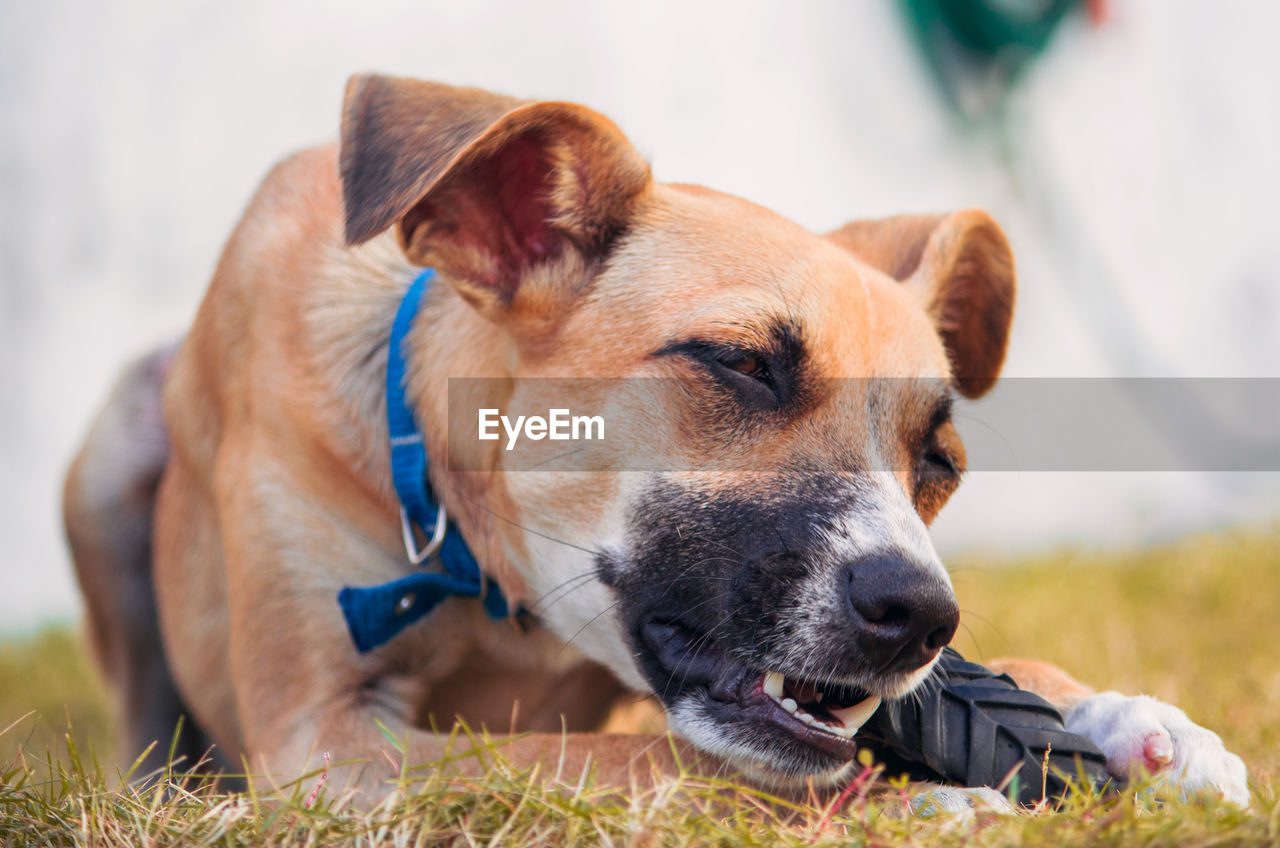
{"points": [[939, 461], [942, 455], [752, 366], [938, 472], [749, 373]]}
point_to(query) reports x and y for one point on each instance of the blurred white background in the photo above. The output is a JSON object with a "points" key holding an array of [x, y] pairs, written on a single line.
{"points": [[1141, 208]]}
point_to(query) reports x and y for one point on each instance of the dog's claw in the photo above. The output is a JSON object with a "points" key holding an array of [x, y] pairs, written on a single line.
{"points": [[1158, 751]]}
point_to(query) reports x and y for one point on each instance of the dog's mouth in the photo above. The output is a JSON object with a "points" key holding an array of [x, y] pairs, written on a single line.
{"points": [[810, 723]]}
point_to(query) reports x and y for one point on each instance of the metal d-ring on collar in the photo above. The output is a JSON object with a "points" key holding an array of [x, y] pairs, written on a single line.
{"points": [[419, 555], [375, 614]]}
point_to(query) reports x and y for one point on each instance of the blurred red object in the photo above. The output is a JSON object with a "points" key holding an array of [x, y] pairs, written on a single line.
{"points": [[1099, 11]]}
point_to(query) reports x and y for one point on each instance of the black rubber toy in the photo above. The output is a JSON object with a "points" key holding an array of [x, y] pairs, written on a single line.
{"points": [[968, 725]]}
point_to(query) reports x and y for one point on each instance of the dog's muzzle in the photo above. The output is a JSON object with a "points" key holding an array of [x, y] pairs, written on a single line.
{"points": [[823, 716], [776, 699], [772, 624]]}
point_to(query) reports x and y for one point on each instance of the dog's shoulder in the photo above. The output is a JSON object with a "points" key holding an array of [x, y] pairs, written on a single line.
{"points": [[295, 214], [253, 327]]}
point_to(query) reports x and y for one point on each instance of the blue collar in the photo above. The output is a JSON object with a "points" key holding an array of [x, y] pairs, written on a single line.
{"points": [[377, 613]]}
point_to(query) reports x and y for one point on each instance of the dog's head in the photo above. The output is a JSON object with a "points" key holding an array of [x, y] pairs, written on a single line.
{"points": [[770, 606]]}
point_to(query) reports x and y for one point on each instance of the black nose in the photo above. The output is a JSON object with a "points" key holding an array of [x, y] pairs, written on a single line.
{"points": [[903, 611]]}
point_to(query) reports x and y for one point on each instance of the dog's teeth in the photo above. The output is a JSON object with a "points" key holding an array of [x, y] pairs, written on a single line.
{"points": [[773, 683], [789, 705], [854, 717], [827, 727], [840, 730]]}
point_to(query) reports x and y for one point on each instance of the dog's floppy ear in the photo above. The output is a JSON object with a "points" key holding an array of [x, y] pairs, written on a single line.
{"points": [[962, 268], [483, 187]]}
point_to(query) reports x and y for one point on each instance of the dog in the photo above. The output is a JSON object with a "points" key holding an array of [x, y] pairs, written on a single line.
{"points": [[235, 486]]}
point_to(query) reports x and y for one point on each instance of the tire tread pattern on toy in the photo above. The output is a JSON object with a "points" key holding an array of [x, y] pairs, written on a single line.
{"points": [[968, 725]]}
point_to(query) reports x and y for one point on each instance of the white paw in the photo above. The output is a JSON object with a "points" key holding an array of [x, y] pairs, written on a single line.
{"points": [[958, 800], [1141, 732]]}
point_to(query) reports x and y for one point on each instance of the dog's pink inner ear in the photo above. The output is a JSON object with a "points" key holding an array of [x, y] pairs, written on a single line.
{"points": [[399, 136], [961, 266], [490, 219], [482, 187]]}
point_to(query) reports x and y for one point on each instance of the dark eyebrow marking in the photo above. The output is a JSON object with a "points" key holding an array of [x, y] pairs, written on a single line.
{"points": [[778, 340]]}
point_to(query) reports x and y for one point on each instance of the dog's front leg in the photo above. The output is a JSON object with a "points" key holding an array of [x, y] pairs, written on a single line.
{"points": [[1137, 732], [362, 710], [615, 759], [358, 742]]}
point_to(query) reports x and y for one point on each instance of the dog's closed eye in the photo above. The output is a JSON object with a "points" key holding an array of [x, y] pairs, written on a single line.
{"points": [[747, 373], [940, 462], [751, 366], [937, 460]]}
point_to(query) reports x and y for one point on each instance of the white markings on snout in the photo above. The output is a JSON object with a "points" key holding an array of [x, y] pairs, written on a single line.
{"points": [[882, 520]]}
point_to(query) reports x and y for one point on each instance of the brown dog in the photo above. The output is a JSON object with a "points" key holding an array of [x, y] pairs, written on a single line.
{"points": [[727, 595]]}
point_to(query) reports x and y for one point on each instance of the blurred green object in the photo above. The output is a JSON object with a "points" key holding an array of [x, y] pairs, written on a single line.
{"points": [[977, 48]]}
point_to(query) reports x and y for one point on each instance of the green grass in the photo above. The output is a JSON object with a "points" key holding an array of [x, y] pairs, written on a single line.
{"points": [[1196, 622]]}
